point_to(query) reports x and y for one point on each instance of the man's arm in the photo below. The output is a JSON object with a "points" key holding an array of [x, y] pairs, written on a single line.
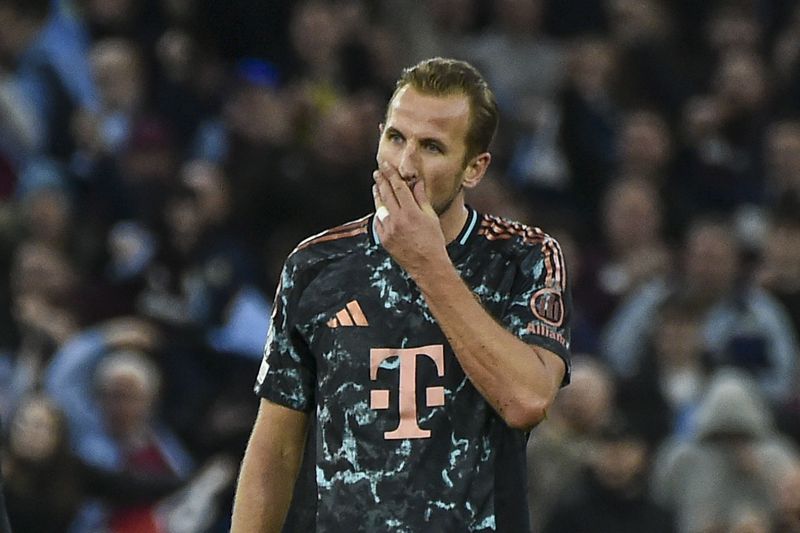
{"points": [[518, 380], [269, 469]]}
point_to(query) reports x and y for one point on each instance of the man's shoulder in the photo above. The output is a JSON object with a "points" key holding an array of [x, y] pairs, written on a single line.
{"points": [[332, 242], [513, 235]]}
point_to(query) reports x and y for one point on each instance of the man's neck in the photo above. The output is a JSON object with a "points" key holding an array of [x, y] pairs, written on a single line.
{"points": [[453, 219]]}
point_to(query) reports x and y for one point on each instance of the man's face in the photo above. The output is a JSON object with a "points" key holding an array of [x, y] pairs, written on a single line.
{"points": [[712, 261], [620, 463], [425, 138], [126, 402]]}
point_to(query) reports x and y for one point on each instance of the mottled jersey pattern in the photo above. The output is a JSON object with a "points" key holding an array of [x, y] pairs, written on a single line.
{"points": [[404, 442]]}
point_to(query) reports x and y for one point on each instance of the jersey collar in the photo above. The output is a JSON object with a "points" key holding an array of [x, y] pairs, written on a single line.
{"points": [[456, 245]]}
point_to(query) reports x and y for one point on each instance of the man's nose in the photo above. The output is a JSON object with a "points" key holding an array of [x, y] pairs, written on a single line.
{"points": [[408, 166]]}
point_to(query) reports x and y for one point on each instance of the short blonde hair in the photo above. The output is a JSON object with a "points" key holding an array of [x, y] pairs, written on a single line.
{"points": [[440, 76]]}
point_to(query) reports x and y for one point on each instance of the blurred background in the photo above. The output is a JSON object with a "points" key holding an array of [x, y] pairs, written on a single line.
{"points": [[160, 158]]}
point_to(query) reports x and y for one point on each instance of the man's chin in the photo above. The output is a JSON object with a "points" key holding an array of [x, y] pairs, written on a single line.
{"points": [[441, 208]]}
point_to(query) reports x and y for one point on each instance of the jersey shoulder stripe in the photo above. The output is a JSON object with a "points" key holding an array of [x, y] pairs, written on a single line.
{"points": [[497, 228], [348, 229]]}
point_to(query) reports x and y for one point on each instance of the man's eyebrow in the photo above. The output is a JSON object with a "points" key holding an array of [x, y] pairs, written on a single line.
{"points": [[434, 140], [425, 140]]}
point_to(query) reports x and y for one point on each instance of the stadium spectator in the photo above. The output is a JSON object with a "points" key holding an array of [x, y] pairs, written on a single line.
{"points": [[532, 64], [742, 325], [51, 69], [262, 119], [201, 278], [650, 73], [612, 493], [561, 448], [644, 147], [47, 484], [18, 131], [108, 389], [332, 180], [43, 293], [119, 76], [42, 485], [661, 397], [590, 112], [722, 160], [732, 463], [629, 252]]}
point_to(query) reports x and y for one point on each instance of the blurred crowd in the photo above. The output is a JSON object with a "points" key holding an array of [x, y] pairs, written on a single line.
{"points": [[159, 159]]}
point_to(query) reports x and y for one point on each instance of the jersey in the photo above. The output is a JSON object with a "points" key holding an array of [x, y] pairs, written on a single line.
{"points": [[404, 441]]}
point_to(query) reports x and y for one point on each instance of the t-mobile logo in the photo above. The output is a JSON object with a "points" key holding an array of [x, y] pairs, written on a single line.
{"points": [[407, 395]]}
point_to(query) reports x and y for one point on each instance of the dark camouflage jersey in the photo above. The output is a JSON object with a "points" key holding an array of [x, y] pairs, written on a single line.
{"points": [[404, 442]]}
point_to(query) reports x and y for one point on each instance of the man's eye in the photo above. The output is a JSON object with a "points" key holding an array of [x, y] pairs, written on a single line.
{"points": [[394, 137], [433, 148]]}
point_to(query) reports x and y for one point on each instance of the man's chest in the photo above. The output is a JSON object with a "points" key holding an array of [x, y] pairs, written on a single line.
{"points": [[371, 299], [379, 350]]}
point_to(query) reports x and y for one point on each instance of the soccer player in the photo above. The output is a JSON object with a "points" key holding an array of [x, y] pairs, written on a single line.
{"points": [[425, 340]]}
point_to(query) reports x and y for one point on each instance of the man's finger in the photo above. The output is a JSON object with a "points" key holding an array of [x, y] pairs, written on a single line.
{"points": [[376, 192], [421, 196], [385, 190], [399, 186], [381, 211]]}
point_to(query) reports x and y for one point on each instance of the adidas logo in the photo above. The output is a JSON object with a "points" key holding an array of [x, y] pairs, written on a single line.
{"points": [[351, 315]]}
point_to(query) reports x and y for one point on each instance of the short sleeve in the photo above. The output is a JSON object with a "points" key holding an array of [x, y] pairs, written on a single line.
{"points": [[287, 375], [540, 305]]}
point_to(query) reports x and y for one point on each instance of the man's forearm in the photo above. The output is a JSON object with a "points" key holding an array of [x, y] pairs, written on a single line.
{"points": [[262, 499], [268, 474], [518, 380]]}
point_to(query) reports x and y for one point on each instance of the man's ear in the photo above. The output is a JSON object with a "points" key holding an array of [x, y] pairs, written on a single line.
{"points": [[476, 170], [380, 128]]}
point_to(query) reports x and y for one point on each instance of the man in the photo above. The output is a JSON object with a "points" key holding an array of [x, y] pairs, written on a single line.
{"points": [[426, 340], [741, 324], [733, 463], [611, 495], [51, 74]]}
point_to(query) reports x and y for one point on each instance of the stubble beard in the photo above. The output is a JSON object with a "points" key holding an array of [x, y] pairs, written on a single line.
{"points": [[441, 207]]}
